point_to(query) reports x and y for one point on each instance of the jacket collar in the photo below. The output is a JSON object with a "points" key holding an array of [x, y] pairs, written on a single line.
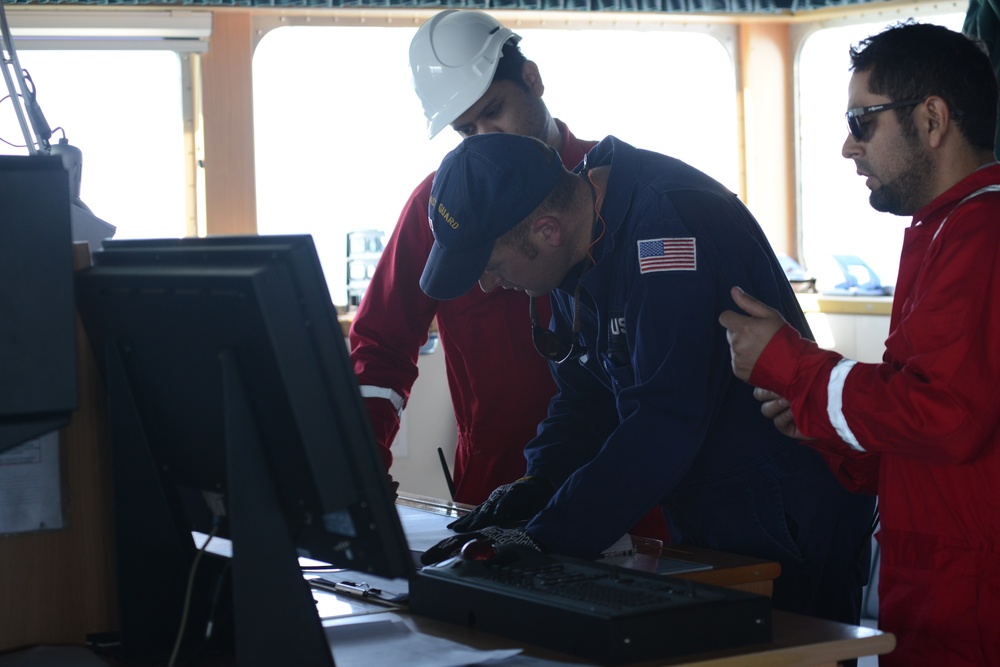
{"points": [[986, 175]]}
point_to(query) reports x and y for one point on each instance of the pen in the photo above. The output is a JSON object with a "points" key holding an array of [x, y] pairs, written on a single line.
{"points": [[447, 474]]}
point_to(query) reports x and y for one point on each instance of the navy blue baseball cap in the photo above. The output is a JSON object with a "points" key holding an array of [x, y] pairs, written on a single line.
{"points": [[483, 188]]}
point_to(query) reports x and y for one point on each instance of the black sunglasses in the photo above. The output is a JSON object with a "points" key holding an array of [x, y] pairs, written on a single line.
{"points": [[859, 131], [548, 344]]}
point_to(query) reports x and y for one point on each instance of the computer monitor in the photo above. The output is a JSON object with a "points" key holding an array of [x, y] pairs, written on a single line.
{"points": [[37, 326], [233, 407]]}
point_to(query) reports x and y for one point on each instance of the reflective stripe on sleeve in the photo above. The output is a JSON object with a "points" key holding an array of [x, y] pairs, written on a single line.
{"points": [[371, 391], [835, 403]]}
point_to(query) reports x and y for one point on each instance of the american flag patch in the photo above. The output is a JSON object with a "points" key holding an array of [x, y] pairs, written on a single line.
{"points": [[667, 255]]}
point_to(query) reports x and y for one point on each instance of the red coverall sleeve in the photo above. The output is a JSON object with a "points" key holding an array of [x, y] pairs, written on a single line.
{"points": [[934, 397], [857, 471], [394, 317]]}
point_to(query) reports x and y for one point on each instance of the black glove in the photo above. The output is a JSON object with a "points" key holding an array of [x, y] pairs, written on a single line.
{"points": [[452, 546], [518, 501], [393, 486]]}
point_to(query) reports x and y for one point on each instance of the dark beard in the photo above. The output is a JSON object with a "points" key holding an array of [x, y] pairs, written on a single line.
{"points": [[887, 200], [908, 193]]}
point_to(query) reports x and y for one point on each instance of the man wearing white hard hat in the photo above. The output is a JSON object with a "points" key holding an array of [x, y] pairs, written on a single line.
{"points": [[469, 73]]}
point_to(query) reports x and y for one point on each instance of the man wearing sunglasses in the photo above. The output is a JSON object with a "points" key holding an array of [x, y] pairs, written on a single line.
{"points": [[922, 428], [638, 252]]}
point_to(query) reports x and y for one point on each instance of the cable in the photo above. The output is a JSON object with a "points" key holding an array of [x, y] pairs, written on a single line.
{"points": [[24, 106], [216, 596], [598, 193], [189, 592]]}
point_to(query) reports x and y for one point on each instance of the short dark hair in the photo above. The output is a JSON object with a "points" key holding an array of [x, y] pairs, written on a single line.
{"points": [[511, 64], [559, 200], [912, 60]]}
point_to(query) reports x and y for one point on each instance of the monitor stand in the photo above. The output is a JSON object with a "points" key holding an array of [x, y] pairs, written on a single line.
{"points": [[274, 616]]}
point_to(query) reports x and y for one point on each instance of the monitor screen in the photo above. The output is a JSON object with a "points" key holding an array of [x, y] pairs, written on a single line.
{"points": [[234, 411], [37, 326]]}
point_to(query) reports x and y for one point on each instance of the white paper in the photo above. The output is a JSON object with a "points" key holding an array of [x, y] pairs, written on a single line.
{"points": [[423, 529], [30, 489], [88, 227], [389, 640]]}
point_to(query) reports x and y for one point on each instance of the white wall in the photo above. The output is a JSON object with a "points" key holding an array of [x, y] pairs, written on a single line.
{"points": [[858, 337], [428, 423]]}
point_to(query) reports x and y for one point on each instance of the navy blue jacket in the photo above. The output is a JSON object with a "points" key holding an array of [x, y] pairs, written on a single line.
{"points": [[653, 413]]}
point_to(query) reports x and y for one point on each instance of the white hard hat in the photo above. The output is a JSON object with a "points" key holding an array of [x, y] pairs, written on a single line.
{"points": [[453, 58]]}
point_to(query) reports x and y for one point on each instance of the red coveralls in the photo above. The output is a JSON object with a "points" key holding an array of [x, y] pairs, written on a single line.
{"points": [[922, 429], [500, 386]]}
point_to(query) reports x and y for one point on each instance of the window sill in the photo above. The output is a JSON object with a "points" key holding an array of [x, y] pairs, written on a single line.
{"points": [[851, 305]]}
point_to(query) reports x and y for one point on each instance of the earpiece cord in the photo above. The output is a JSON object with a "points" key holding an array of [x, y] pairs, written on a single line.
{"points": [[533, 309], [594, 188]]}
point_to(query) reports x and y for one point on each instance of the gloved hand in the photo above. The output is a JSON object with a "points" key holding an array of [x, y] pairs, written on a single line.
{"points": [[393, 486], [518, 501], [452, 546]]}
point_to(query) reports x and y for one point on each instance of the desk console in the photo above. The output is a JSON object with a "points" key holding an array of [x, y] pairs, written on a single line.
{"points": [[590, 610]]}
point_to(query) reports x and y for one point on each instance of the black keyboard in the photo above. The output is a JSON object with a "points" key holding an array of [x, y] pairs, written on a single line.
{"points": [[590, 610]]}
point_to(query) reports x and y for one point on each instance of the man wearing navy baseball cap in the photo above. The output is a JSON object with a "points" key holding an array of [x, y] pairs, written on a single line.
{"points": [[639, 252], [476, 199]]}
